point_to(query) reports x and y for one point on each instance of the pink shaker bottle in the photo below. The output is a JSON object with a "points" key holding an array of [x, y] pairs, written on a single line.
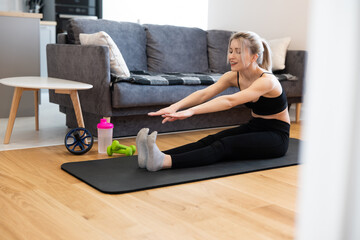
{"points": [[105, 135]]}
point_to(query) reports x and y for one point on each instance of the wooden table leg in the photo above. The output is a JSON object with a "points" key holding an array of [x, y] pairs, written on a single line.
{"points": [[14, 107], [298, 109], [76, 103], [36, 102], [108, 119], [77, 108]]}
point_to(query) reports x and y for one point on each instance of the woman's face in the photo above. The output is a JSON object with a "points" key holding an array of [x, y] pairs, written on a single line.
{"points": [[239, 57]]}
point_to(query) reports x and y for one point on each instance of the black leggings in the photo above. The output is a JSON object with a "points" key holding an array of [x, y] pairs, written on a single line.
{"points": [[258, 139]]}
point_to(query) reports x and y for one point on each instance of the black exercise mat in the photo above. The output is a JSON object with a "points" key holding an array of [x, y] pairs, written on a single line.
{"points": [[122, 174]]}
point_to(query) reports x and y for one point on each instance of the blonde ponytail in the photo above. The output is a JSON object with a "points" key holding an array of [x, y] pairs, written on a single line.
{"points": [[266, 62]]}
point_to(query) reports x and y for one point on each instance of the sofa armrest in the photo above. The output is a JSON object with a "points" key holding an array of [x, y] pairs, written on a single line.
{"points": [[88, 64], [295, 65]]}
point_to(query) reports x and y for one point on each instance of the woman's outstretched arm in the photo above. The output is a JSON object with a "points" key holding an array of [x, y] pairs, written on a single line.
{"points": [[198, 97], [252, 93]]}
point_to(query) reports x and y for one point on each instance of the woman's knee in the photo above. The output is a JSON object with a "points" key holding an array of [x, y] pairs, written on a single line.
{"points": [[208, 140], [220, 135]]}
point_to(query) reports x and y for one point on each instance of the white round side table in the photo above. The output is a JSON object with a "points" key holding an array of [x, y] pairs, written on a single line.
{"points": [[30, 83]]}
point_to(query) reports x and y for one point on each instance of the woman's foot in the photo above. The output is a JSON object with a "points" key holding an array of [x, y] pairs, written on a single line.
{"points": [[141, 144], [155, 159]]}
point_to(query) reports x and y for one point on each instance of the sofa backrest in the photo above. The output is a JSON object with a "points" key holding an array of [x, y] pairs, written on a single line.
{"points": [[218, 41], [129, 37], [176, 49], [160, 48]]}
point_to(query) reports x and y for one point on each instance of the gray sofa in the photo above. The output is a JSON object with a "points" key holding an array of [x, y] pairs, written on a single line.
{"points": [[152, 48]]}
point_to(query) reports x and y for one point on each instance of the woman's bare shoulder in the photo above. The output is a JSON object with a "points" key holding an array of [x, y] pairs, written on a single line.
{"points": [[230, 74], [270, 82], [229, 77]]}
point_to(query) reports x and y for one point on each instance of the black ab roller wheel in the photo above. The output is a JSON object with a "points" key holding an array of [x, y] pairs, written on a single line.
{"points": [[79, 141]]}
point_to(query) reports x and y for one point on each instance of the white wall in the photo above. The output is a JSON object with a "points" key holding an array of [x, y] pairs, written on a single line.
{"points": [[269, 18], [12, 5], [187, 13]]}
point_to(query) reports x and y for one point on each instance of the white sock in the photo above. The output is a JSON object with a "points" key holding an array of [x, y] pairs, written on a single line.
{"points": [[141, 145], [155, 158]]}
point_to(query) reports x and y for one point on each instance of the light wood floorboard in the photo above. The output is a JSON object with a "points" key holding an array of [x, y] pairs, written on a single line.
{"points": [[40, 201]]}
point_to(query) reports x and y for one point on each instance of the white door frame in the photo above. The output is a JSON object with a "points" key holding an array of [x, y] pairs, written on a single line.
{"points": [[329, 184]]}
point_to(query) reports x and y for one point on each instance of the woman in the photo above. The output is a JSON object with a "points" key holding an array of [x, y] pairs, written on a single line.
{"points": [[266, 135]]}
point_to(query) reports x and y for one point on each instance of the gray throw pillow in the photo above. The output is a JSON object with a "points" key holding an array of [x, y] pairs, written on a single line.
{"points": [[176, 49], [130, 38], [218, 41]]}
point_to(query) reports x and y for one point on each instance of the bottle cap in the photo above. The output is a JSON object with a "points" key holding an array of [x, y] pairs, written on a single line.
{"points": [[104, 124]]}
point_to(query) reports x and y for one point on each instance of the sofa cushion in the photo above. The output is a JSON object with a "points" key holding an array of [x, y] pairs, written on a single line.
{"points": [[176, 49], [218, 41], [129, 37], [117, 63], [125, 95], [279, 48]]}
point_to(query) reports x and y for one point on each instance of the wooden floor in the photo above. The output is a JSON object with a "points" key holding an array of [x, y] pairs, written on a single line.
{"points": [[40, 201]]}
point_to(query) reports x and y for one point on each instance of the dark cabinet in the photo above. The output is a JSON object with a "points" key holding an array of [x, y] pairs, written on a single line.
{"points": [[62, 10]]}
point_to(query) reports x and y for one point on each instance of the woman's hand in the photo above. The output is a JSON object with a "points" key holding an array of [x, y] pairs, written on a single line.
{"points": [[170, 115], [163, 111], [177, 116]]}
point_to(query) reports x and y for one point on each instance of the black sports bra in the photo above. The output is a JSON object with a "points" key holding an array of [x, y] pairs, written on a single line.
{"points": [[265, 105]]}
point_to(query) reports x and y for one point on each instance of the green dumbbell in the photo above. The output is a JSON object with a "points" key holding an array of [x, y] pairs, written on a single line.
{"points": [[116, 146], [133, 148], [127, 151]]}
